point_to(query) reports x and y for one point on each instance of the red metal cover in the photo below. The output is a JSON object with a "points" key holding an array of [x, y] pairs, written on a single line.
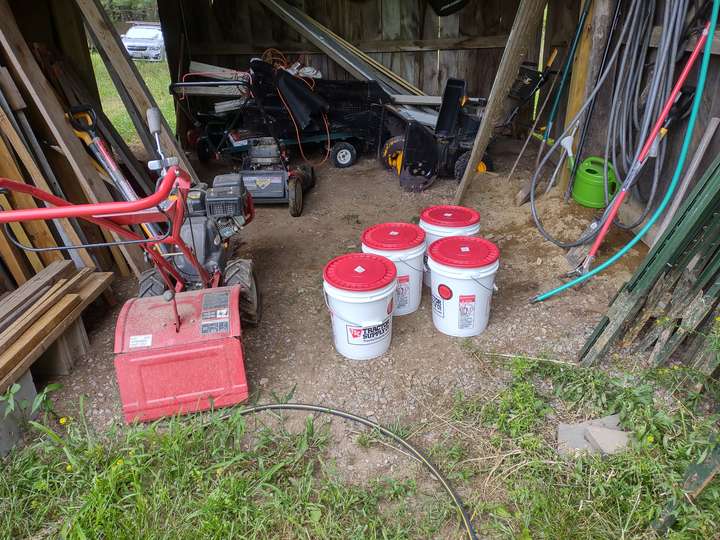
{"points": [[393, 236], [360, 272], [464, 251], [164, 372], [450, 216]]}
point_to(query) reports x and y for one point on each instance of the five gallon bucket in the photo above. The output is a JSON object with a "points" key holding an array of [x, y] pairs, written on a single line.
{"points": [[462, 282], [404, 245], [443, 221], [359, 292]]}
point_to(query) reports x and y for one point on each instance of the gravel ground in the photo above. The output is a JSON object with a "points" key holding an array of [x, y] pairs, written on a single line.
{"points": [[291, 351]]}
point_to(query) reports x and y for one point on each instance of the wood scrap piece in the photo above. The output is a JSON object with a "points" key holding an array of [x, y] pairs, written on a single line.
{"points": [[21, 236], [89, 290], [34, 335], [44, 303], [48, 276], [36, 295], [14, 260]]}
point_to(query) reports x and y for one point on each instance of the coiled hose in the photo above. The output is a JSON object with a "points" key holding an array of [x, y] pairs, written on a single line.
{"points": [[708, 34]]}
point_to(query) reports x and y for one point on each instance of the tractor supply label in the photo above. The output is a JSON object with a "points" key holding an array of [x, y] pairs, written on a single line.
{"points": [[466, 311], [144, 340], [215, 327], [367, 335], [402, 293], [438, 306]]}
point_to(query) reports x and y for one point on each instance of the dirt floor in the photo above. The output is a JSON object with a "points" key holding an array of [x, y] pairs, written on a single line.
{"points": [[291, 353]]}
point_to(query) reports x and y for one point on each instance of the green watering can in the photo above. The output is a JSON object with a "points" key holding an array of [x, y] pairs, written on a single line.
{"points": [[588, 188]]}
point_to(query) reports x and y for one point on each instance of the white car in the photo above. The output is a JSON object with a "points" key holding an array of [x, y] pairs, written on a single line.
{"points": [[144, 42]]}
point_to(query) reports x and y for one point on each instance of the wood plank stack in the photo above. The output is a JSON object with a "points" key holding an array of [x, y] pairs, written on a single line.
{"points": [[37, 313], [39, 83], [672, 302]]}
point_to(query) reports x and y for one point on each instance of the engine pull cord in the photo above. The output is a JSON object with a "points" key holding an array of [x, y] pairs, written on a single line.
{"points": [[702, 79]]}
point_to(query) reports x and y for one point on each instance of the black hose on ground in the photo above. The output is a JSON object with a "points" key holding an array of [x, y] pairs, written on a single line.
{"points": [[457, 501]]}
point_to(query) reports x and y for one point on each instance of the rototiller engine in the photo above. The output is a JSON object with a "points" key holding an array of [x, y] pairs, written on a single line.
{"points": [[178, 345]]}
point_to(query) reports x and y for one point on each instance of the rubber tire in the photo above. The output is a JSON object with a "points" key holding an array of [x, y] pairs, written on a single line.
{"points": [[295, 196], [462, 163], [236, 273], [150, 283], [391, 146], [339, 147]]}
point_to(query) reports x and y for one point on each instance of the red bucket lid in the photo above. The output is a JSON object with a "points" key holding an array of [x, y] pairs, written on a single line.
{"points": [[360, 272], [393, 236], [464, 252], [450, 216]]}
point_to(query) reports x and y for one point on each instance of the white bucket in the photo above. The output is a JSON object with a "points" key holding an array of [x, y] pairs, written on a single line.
{"points": [[404, 245], [461, 297], [434, 230], [361, 319], [410, 269]]}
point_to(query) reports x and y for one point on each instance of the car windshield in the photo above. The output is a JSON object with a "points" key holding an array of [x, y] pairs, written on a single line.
{"points": [[140, 32]]}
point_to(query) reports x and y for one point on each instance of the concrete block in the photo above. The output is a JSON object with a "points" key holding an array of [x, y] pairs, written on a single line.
{"points": [[571, 437], [11, 425], [607, 441], [61, 356], [571, 440]]}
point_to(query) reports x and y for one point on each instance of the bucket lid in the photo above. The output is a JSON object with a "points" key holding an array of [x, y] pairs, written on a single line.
{"points": [[450, 216], [464, 252], [360, 272], [393, 236]]}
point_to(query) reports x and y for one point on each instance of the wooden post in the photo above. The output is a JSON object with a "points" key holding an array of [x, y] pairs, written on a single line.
{"points": [[527, 18], [586, 65], [109, 41]]}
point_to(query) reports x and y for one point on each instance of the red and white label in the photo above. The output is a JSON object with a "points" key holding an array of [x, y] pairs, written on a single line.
{"points": [[466, 311], [402, 293]]}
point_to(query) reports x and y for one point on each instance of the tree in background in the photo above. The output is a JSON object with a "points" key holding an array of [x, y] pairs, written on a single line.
{"points": [[131, 10]]}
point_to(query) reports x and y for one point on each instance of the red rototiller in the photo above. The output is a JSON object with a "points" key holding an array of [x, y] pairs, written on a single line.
{"points": [[178, 346]]}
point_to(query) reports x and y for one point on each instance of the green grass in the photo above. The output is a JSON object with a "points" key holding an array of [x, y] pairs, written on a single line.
{"points": [[202, 477], [225, 476], [156, 77]]}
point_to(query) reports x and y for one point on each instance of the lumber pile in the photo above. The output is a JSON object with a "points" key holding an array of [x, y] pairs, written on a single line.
{"points": [[45, 75], [36, 314], [672, 302]]}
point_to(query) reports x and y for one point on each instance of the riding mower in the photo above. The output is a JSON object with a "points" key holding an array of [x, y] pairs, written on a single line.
{"points": [[178, 345]]}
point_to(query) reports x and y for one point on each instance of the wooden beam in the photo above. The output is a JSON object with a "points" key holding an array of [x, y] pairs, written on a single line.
{"points": [[586, 57], [13, 259], [527, 19], [27, 72], [374, 46], [690, 45], [26, 201], [22, 237], [109, 41]]}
